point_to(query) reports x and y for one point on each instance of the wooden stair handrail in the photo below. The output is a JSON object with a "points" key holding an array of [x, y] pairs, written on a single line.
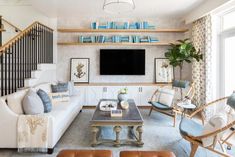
{"points": [[18, 36], [9, 23]]}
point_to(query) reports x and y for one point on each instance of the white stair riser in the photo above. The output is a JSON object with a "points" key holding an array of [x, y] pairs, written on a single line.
{"points": [[46, 66], [37, 74], [30, 82]]}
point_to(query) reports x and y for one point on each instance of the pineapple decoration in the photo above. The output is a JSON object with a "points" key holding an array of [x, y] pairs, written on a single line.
{"points": [[80, 72]]}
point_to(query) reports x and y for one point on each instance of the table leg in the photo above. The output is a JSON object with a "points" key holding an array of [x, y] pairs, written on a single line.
{"points": [[117, 130], [131, 133], [139, 129], [94, 131]]}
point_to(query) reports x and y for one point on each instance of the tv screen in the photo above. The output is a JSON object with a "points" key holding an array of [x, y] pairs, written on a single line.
{"points": [[122, 62]]}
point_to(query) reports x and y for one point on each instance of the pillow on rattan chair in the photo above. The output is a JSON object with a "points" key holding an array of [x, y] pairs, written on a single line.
{"points": [[165, 97], [216, 122]]}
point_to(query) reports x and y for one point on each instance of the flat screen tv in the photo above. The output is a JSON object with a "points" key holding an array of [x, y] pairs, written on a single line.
{"points": [[122, 62]]}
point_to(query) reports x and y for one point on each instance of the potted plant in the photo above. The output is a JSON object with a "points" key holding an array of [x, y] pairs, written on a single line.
{"points": [[184, 51]]}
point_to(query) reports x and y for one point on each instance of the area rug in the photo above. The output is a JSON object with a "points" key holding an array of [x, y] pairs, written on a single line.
{"points": [[159, 134]]}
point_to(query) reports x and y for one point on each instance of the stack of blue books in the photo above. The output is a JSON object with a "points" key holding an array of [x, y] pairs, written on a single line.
{"points": [[94, 25], [126, 39], [115, 39], [145, 39], [135, 39], [153, 40], [108, 39], [100, 39], [102, 27], [125, 25], [133, 26], [83, 39]]}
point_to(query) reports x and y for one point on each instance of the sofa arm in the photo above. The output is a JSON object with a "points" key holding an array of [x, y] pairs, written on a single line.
{"points": [[8, 125]]}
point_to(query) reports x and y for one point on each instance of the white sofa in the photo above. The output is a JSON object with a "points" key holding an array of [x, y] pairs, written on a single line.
{"points": [[62, 114]]}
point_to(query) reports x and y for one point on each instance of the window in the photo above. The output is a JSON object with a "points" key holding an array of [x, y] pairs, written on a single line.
{"points": [[229, 64], [225, 58], [228, 20]]}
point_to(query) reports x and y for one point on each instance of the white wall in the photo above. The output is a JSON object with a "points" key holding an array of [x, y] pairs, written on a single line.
{"points": [[203, 9], [92, 52], [24, 15]]}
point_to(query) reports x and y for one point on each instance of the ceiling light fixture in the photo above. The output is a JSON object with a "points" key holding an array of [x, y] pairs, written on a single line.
{"points": [[118, 6]]}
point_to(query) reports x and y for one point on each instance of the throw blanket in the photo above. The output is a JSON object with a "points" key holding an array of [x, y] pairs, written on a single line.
{"points": [[33, 133]]}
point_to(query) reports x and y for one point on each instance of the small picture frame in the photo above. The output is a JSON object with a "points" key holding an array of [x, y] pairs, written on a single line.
{"points": [[79, 70], [164, 72]]}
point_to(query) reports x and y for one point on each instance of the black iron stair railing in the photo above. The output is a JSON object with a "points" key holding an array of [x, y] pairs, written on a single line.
{"points": [[21, 55]]}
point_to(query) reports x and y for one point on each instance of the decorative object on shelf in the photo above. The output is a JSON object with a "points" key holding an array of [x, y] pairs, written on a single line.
{"points": [[163, 71], [79, 70], [184, 51], [108, 105], [118, 6], [124, 105], [122, 95]]}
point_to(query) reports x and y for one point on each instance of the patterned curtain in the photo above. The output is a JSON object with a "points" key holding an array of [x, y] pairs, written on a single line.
{"points": [[201, 71]]}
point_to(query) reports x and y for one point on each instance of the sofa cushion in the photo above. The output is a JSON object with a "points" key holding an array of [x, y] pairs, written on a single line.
{"points": [[59, 97], [160, 106], [85, 153], [63, 110], [189, 127], [60, 87], [14, 101], [146, 154], [32, 104], [45, 100], [71, 88]]}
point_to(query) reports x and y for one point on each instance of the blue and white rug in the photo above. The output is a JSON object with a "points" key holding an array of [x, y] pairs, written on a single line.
{"points": [[158, 135]]}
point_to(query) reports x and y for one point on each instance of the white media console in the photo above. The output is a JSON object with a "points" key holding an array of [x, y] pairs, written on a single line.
{"points": [[140, 92]]}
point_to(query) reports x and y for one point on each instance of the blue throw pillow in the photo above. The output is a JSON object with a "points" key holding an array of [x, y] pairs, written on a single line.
{"points": [[45, 100], [60, 87]]}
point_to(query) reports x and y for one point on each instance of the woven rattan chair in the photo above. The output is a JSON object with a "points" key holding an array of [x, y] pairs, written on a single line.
{"points": [[193, 131]]}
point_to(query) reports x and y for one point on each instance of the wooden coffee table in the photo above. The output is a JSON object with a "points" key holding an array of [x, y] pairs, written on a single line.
{"points": [[131, 118]]}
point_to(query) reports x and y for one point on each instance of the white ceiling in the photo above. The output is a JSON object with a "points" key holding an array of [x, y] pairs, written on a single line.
{"points": [[93, 8]]}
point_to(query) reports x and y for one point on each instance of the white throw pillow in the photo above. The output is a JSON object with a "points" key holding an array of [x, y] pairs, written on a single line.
{"points": [[216, 122], [59, 97], [166, 96], [71, 88], [32, 103], [14, 101]]}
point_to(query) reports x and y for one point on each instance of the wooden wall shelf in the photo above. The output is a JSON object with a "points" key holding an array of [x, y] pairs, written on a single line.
{"points": [[159, 30], [114, 44], [2, 30]]}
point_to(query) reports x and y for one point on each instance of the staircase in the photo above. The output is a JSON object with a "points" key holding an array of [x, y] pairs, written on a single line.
{"points": [[25, 57]]}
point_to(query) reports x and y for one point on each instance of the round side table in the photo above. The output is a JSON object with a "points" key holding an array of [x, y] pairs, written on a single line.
{"points": [[186, 106]]}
